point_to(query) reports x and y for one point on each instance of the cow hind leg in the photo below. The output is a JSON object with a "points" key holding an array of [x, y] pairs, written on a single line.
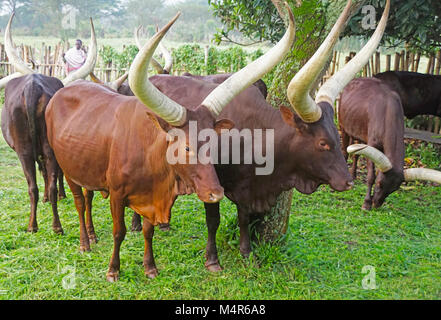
{"points": [[52, 175], [119, 233], [28, 165], [212, 218], [46, 187], [136, 222], [89, 223], [149, 261], [367, 205], [62, 191], [80, 206]]}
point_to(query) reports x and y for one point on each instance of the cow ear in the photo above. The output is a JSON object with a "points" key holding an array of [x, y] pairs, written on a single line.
{"points": [[292, 119], [223, 124], [159, 123]]}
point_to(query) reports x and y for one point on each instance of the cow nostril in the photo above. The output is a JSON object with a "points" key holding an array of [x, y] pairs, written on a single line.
{"points": [[216, 197]]}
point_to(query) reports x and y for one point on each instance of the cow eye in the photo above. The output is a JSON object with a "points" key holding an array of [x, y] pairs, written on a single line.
{"points": [[187, 148], [324, 145]]}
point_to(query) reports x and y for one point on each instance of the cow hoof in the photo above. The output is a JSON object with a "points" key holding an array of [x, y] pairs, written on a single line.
{"points": [[366, 206], [93, 238], [84, 248], [112, 276], [58, 230], [45, 199], [32, 229], [153, 273], [214, 267], [61, 197], [136, 228], [164, 227]]}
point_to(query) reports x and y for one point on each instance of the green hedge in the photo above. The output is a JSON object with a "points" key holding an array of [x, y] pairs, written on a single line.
{"points": [[188, 58]]}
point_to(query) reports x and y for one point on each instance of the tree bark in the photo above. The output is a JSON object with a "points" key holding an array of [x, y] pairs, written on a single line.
{"points": [[274, 223]]}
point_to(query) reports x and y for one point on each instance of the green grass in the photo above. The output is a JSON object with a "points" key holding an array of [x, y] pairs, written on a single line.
{"points": [[328, 243]]}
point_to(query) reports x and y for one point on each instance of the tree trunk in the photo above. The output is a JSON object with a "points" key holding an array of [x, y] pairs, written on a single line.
{"points": [[275, 222]]}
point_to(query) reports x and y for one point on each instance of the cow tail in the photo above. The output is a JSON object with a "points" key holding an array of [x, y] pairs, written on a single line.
{"points": [[31, 104]]}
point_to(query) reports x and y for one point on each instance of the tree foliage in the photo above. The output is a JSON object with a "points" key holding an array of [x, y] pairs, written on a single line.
{"points": [[417, 23]]}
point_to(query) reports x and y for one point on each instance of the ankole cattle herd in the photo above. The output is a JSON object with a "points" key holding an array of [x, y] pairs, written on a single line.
{"points": [[115, 137]]}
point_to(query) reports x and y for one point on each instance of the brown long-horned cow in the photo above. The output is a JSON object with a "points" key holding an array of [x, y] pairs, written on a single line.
{"points": [[306, 141], [24, 129], [107, 142], [370, 112]]}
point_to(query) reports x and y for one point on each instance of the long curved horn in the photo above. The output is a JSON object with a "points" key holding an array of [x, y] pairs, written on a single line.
{"points": [[422, 174], [89, 65], [14, 58], [230, 88], [155, 64], [145, 91], [331, 89], [95, 79], [379, 158], [112, 85], [118, 82], [166, 55], [300, 86], [5, 80]]}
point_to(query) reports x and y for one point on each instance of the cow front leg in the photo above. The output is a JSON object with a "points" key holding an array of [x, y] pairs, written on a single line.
{"points": [[89, 223], [80, 206], [244, 239], [136, 222], [354, 166], [212, 219], [367, 205], [119, 233], [28, 165], [149, 261]]}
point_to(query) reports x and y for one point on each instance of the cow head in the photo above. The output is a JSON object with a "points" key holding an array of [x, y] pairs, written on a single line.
{"points": [[385, 184], [171, 116], [316, 140], [390, 178]]}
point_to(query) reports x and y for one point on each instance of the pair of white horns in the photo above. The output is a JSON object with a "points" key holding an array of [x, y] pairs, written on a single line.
{"points": [[300, 86], [384, 165], [22, 68], [174, 113]]}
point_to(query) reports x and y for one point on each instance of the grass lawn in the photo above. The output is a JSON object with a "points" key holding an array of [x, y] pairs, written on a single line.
{"points": [[329, 242]]}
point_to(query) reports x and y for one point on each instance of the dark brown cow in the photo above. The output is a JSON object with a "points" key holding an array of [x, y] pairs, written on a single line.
{"points": [[24, 129], [111, 143], [306, 142], [370, 112], [419, 93]]}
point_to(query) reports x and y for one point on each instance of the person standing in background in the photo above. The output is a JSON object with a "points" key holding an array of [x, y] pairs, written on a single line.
{"points": [[75, 57]]}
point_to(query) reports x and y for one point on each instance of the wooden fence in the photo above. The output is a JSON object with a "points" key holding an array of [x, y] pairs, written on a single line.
{"points": [[47, 60]]}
